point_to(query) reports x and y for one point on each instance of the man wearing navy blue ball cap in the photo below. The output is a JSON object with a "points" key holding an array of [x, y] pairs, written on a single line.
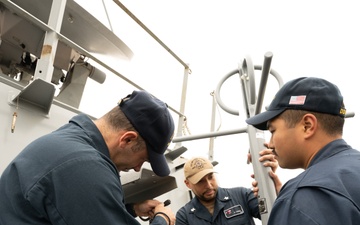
{"points": [[71, 176], [306, 120], [151, 118]]}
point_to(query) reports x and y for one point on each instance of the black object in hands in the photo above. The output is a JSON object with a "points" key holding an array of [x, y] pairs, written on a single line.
{"points": [[167, 202]]}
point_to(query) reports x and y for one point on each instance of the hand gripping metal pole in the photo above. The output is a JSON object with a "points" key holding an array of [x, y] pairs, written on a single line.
{"points": [[252, 105], [267, 192]]}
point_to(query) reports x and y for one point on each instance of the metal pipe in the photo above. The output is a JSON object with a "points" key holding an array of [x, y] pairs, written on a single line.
{"points": [[264, 77], [208, 135]]}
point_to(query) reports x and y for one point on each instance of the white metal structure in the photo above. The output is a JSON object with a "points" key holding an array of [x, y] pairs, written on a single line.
{"points": [[47, 44]]}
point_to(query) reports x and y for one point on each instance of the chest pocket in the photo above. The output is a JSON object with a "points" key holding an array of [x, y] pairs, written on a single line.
{"points": [[233, 211], [235, 215]]}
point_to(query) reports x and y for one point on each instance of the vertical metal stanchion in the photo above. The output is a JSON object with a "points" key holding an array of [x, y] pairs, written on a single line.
{"points": [[267, 192]]}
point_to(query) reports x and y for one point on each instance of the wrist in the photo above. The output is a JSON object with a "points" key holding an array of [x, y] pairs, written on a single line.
{"points": [[130, 207], [163, 215]]}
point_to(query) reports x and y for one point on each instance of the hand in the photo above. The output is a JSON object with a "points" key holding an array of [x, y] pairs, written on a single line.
{"points": [[146, 208], [276, 180], [268, 159], [274, 177], [167, 211], [268, 155]]}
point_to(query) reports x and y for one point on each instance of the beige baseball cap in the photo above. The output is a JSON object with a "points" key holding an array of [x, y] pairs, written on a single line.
{"points": [[196, 168]]}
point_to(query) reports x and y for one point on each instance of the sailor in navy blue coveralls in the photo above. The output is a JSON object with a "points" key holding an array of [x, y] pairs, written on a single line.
{"points": [[33, 191], [213, 204], [318, 187], [306, 121], [232, 206], [71, 176]]}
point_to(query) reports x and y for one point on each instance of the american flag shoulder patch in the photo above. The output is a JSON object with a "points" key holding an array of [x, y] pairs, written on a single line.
{"points": [[297, 100]]}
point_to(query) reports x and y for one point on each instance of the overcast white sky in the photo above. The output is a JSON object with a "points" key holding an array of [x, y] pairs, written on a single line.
{"points": [[307, 38]]}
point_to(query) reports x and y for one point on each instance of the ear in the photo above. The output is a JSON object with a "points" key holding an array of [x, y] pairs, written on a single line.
{"points": [[127, 138], [187, 183], [310, 124]]}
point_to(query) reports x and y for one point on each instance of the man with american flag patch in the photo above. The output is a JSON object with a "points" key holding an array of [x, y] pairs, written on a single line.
{"points": [[306, 120]]}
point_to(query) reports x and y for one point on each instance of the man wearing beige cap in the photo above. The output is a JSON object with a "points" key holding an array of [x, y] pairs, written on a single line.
{"points": [[213, 204]]}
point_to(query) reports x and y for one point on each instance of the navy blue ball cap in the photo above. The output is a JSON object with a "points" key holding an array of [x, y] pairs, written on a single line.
{"points": [[305, 93], [152, 119]]}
